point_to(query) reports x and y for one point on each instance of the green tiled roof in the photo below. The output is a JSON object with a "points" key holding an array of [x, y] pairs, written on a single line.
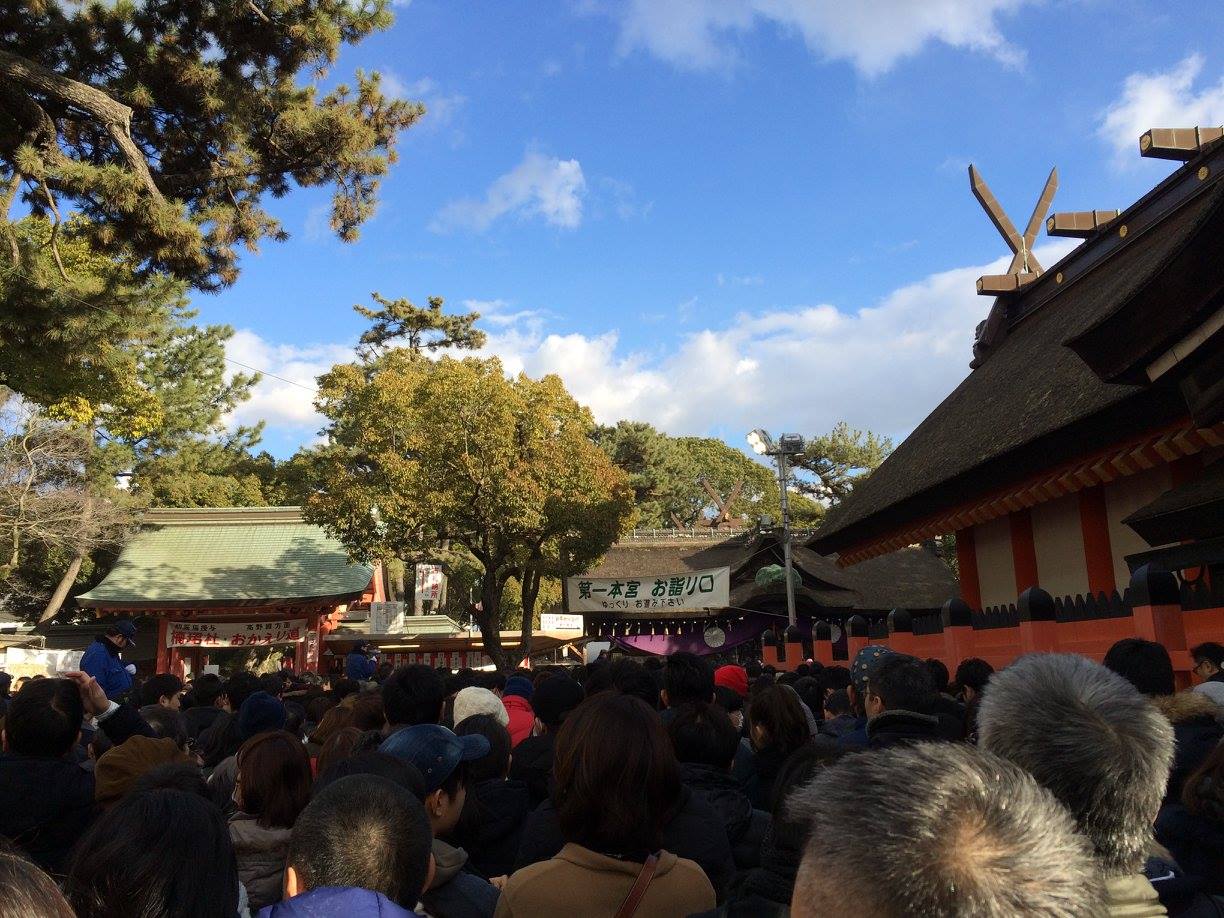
{"points": [[229, 555]]}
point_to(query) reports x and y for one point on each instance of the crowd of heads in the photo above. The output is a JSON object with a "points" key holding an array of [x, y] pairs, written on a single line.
{"points": [[887, 786]]}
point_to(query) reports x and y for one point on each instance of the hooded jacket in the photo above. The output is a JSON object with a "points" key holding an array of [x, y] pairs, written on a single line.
{"points": [[102, 661], [1196, 732], [337, 902], [581, 881], [261, 855], [745, 825], [492, 824], [455, 891], [522, 718]]}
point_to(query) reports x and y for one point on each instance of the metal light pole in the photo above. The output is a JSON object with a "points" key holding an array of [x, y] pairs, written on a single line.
{"points": [[786, 446]]}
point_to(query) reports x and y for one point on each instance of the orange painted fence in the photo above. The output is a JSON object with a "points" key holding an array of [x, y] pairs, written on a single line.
{"points": [[1155, 612]]}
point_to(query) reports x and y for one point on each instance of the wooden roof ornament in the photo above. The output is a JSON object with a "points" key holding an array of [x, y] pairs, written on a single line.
{"points": [[1177, 143], [1024, 267]]}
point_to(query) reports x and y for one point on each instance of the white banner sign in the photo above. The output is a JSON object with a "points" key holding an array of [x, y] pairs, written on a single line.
{"points": [[235, 634], [386, 617], [708, 589], [429, 582], [551, 621]]}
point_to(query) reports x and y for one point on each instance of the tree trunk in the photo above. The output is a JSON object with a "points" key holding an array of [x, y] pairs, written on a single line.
{"points": [[489, 621], [530, 592], [61, 589]]}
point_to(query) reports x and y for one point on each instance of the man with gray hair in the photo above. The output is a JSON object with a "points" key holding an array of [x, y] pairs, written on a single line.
{"points": [[939, 829], [1099, 746]]}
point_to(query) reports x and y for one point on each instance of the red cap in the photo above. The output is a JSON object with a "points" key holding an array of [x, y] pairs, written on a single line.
{"points": [[732, 677]]}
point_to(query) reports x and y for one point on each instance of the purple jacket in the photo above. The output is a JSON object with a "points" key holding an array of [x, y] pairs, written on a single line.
{"points": [[337, 902]]}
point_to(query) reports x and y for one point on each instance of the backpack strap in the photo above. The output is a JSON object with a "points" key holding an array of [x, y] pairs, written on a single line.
{"points": [[640, 885]]}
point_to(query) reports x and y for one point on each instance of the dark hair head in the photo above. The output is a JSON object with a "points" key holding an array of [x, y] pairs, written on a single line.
{"points": [[1085, 733], [340, 745], [702, 734], [1144, 664], [728, 699], [383, 764], [616, 776], [274, 778], [295, 719], [938, 671], [1210, 651], [273, 684], [973, 673], [554, 698], [165, 852], [994, 843], [318, 706], [166, 722], [27, 892], [205, 690], [687, 678], [776, 711], [392, 857], [342, 688], [902, 683], [239, 687], [180, 776], [810, 692], [368, 711], [798, 771], [413, 695], [495, 764], [44, 718], [627, 677], [334, 720], [163, 684], [838, 702], [836, 677]]}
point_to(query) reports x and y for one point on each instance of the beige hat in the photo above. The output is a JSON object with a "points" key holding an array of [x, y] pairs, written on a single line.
{"points": [[473, 700]]}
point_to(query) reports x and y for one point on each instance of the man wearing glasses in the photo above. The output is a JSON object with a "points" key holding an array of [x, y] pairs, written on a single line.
{"points": [[1209, 666]]}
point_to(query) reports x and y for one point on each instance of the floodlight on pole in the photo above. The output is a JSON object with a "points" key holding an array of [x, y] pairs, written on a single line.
{"points": [[761, 442], [787, 445]]}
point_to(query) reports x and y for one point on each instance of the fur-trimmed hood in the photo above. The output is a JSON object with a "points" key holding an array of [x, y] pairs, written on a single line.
{"points": [[1187, 706]]}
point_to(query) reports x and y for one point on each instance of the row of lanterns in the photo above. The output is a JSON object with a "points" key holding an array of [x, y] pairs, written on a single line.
{"points": [[630, 628]]}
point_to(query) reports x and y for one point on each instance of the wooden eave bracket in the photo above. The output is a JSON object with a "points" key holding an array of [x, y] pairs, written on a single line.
{"points": [[1177, 143], [1079, 224], [994, 284]]}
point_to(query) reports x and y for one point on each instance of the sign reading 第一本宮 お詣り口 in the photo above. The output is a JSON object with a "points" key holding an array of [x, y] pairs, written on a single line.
{"points": [[235, 634], [708, 589]]}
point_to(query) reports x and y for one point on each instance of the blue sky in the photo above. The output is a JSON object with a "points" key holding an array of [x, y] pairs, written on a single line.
{"points": [[713, 214]]}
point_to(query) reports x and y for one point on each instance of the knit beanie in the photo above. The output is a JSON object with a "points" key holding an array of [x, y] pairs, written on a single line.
{"points": [[555, 697], [732, 677], [475, 700], [518, 685], [260, 713]]}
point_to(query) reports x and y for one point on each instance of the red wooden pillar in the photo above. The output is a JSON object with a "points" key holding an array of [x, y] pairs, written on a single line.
{"points": [[901, 631], [856, 636], [958, 631], [1038, 624], [163, 652], [966, 562], [1098, 553], [1157, 612], [794, 647], [771, 649], [1024, 550], [822, 643]]}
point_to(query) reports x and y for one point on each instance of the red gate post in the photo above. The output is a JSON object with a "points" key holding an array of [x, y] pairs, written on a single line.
{"points": [[856, 636], [822, 643], [901, 631], [958, 632], [163, 652], [1157, 612], [771, 649], [794, 647], [1038, 623]]}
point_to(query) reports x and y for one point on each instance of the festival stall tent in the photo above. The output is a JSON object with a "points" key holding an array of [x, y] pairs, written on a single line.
{"points": [[219, 579], [1079, 463], [913, 577]]}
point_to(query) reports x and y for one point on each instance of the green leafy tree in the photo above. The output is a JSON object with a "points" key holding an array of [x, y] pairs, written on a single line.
{"points": [[167, 125], [400, 323], [837, 460], [427, 453], [662, 477]]}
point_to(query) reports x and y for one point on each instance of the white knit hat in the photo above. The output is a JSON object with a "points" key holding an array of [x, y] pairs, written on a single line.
{"points": [[474, 700]]}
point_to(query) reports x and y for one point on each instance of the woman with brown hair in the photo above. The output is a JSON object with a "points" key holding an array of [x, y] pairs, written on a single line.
{"points": [[1193, 828], [335, 720], [616, 780], [776, 728], [27, 892], [272, 788]]}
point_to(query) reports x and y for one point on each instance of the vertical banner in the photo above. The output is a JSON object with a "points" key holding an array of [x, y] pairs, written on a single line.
{"points": [[429, 582]]}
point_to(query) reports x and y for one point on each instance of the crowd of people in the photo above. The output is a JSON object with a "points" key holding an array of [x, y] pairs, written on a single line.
{"points": [[664, 787]]}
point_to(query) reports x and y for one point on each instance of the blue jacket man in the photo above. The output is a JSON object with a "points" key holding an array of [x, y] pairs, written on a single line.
{"points": [[359, 666], [102, 659]]}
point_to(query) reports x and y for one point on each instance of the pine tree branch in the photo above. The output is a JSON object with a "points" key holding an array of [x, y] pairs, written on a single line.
{"points": [[114, 116]]}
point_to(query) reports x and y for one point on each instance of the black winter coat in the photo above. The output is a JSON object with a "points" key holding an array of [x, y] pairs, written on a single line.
{"points": [[896, 728], [695, 831], [1196, 841], [492, 825], [1196, 732], [532, 764], [746, 826]]}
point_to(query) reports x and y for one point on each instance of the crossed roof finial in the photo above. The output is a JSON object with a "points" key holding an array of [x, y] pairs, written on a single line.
{"points": [[1024, 266]]}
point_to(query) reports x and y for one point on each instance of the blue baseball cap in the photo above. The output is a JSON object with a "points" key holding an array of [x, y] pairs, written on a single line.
{"points": [[126, 628], [435, 751]]}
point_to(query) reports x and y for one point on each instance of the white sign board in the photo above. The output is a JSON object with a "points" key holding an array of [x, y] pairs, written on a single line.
{"points": [[551, 621], [21, 662], [429, 582], [386, 618], [235, 634], [708, 589]]}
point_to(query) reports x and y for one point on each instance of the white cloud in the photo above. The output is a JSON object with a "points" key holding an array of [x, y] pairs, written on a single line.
{"points": [[871, 34], [441, 106], [285, 405], [496, 312], [1167, 99], [883, 367], [539, 186]]}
